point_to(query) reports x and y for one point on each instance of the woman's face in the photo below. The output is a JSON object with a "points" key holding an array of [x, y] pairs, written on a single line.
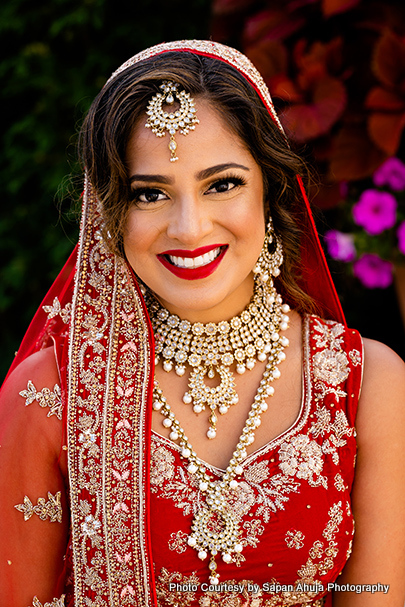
{"points": [[196, 226]]}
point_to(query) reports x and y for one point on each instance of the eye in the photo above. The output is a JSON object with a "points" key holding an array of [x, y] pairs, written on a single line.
{"points": [[148, 195], [226, 184]]}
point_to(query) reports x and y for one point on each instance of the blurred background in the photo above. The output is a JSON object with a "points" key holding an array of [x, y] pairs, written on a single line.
{"points": [[336, 70]]}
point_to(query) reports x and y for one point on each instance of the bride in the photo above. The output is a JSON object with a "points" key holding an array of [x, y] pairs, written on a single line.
{"points": [[181, 423]]}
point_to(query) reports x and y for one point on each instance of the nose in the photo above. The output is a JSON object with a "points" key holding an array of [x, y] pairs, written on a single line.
{"points": [[189, 222]]}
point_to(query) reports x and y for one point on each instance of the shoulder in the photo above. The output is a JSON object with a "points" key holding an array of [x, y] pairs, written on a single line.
{"points": [[30, 399], [381, 412]]}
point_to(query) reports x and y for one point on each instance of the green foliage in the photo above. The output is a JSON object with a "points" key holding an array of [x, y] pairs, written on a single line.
{"points": [[55, 58]]}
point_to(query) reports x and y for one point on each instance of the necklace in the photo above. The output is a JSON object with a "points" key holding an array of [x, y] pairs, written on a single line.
{"points": [[214, 529], [211, 349]]}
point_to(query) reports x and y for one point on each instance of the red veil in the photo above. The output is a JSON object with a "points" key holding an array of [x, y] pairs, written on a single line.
{"points": [[95, 315]]}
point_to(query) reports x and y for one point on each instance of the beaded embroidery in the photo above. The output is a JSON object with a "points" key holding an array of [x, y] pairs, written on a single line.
{"points": [[55, 603], [51, 509], [45, 398]]}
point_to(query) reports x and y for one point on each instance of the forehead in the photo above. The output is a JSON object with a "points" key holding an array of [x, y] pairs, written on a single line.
{"points": [[212, 142]]}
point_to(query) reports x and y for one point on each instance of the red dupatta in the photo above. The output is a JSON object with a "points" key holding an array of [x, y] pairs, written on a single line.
{"points": [[108, 354]]}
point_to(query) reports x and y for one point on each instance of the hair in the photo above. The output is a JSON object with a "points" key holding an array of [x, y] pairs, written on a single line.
{"points": [[122, 102]]}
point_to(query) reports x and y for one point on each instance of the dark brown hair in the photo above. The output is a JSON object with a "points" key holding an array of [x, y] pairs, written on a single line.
{"points": [[115, 111]]}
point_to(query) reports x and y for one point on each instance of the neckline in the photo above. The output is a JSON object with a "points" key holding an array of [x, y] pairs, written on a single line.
{"points": [[297, 424]]}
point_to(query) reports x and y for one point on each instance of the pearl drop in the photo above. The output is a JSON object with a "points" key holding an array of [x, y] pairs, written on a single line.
{"points": [[167, 422], [214, 581], [238, 470], [257, 422], [211, 433], [284, 326], [276, 272], [173, 435], [264, 406], [281, 356], [203, 486], [157, 405], [240, 369], [276, 373], [167, 366], [226, 558], [235, 400], [250, 364], [270, 390], [261, 356], [223, 409], [180, 371], [191, 541], [197, 408], [285, 341], [233, 484], [202, 555], [187, 398], [238, 548], [285, 308], [186, 452], [192, 468]]}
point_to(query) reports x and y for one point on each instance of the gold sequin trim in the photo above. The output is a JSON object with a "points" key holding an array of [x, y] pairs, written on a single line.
{"points": [[55, 603], [45, 398], [51, 509]]}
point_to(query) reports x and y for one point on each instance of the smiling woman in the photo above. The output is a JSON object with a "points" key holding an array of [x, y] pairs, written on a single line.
{"points": [[205, 421]]}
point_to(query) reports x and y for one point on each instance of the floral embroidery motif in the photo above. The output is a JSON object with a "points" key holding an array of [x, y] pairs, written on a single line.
{"points": [[178, 542], [56, 310], [339, 483], [45, 398], [355, 357], [55, 603], [294, 539], [303, 458], [330, 364], [337, 430], [51, 509], [161, 467], [176, 599]]}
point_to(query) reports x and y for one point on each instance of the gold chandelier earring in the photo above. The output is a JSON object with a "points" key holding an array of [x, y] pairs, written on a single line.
{"points": [[270, 258]]}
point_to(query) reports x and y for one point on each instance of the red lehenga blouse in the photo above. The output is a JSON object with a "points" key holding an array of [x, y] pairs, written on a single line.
{"points": [[293, 498]]}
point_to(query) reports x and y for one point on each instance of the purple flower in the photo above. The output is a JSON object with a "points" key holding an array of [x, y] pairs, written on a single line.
{"points": [[373, 272], [401, 237], [340, 245], [392, 174], [375, 211]]}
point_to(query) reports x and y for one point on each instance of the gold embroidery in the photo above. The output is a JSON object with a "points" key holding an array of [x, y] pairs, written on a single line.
{"points": [[339, 483], [330, 364], [355, 357], [303, 458], [182, 598], [338, 430], [55, 603], [178, 542], [294, 539], [51, 509], [56, 310], [161, 467], [45, 398]]}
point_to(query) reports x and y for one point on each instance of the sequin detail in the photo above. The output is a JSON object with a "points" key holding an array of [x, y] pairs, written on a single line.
{"points": [[51, 509], [45, 398]]}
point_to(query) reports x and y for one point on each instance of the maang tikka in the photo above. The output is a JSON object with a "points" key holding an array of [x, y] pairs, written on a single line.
{"points": [[183, 119]]}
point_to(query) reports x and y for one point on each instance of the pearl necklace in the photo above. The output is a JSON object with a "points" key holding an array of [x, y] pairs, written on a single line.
{"points": [[215, 512], [212, 348]]}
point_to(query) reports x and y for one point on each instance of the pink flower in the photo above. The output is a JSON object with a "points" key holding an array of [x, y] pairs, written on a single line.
{"points": [[375, 211], [401, 237], [340, 245], [373, 272], [392, 174]]}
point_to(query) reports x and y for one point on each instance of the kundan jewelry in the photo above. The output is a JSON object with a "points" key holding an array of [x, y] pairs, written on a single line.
{"points": [[271, 256], [211, 349], [183, 119], [214, 529]]}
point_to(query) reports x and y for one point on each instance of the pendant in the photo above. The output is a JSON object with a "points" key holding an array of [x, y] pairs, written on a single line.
{"points": [[220, 397]]}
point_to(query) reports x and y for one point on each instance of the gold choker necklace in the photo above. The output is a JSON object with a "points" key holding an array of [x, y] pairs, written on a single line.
{"points": [[211, 349]]}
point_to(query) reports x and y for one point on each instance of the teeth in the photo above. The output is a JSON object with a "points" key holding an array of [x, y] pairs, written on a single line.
{"points": [[195, 262]]}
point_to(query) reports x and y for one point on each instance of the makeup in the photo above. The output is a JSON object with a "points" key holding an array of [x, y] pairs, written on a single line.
{"points": [[193, 265]]}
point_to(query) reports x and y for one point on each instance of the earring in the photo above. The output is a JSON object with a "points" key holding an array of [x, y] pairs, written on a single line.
{"points": [[271, 256]]}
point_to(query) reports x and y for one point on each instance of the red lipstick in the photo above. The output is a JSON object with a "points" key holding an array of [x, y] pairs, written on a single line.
{"points": [[192, 273]]}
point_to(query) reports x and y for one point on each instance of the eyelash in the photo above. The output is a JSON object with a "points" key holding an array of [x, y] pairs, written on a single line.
{"points": [[237, 181]]}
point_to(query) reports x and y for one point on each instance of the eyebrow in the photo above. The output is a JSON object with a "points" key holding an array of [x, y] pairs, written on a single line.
{"points": [[200, 176]]}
